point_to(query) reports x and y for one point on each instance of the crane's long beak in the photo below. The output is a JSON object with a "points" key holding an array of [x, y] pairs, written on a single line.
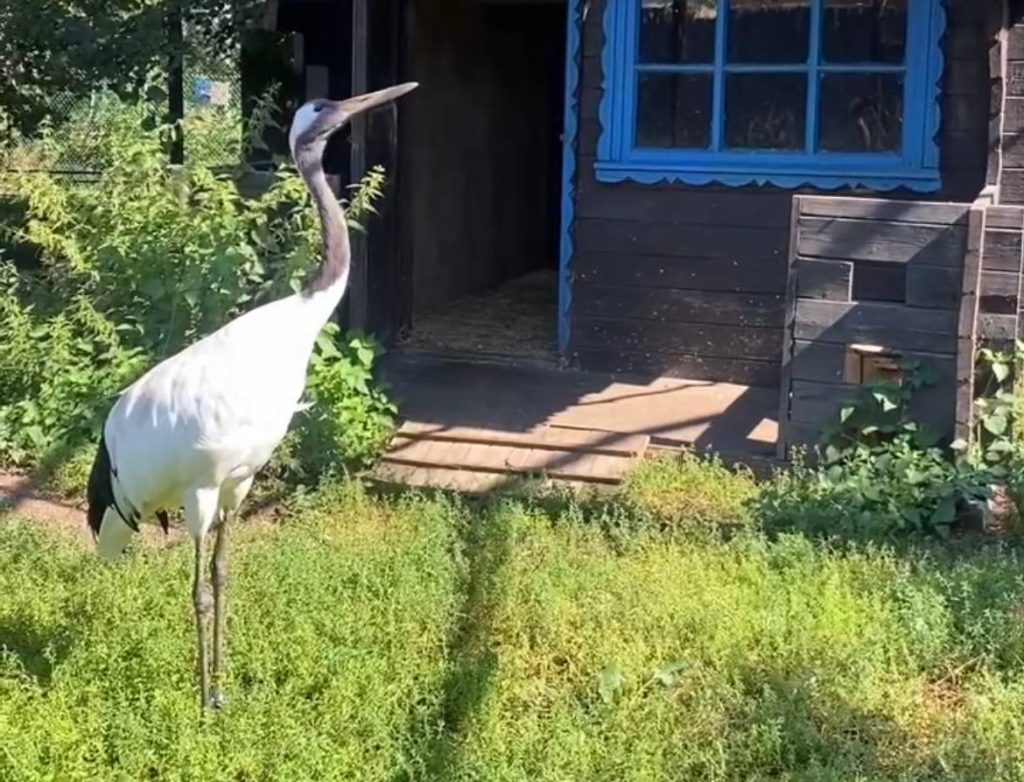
{"points": [[362, 103]]}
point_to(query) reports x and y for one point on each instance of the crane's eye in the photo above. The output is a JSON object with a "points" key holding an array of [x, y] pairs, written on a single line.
{"points": [[318, 108]]}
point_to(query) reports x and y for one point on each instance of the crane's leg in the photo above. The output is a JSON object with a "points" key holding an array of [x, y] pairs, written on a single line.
{"points": [[201, 505], [200, 599], [231, 499], [219, 576]]}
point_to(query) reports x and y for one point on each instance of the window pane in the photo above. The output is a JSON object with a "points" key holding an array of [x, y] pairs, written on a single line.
{"points": [[674, 110], [861, 112], [763, 31], [766, 111], [864, 31], [674, 31]]}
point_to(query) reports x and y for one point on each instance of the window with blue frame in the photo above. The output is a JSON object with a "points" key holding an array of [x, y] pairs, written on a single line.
{"points": [[830, 93]]}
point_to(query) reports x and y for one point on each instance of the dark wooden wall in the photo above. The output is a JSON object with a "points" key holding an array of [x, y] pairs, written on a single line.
{"points": [[480, 141], [690, 280], [872, 272]]}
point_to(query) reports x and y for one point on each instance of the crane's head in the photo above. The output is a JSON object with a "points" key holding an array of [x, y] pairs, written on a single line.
{"points": [[317, 120]]}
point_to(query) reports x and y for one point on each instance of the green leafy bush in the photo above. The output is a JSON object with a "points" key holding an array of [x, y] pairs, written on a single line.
{"points": [[138, 264], [889, 489]]}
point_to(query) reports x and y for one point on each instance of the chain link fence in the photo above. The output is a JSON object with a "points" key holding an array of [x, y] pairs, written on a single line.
{"points": [[211, 124]]}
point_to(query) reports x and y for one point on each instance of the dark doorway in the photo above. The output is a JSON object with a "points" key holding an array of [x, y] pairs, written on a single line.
{"points": [[482, 174]]}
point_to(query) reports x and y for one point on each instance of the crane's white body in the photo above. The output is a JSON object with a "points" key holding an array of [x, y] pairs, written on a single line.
{"points": [[194, 430]]}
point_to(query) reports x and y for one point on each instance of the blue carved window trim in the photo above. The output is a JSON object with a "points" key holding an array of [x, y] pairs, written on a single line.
{"points": [[915, 167]]}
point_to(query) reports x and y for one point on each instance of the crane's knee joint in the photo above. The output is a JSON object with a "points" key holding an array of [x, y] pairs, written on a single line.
{"points": [[203, 599], [219, 574]]}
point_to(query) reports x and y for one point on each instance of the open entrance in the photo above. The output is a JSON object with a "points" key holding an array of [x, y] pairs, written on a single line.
{"points": [[482, 173]]}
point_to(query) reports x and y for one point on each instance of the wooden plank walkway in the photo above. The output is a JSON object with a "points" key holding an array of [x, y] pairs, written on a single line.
{"points": [[476, 427]]}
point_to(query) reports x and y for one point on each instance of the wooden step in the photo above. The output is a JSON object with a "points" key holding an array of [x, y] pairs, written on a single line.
{"points": [[474, 459], [553, 438]]}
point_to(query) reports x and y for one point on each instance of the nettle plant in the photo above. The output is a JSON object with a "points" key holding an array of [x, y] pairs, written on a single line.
{"points": [[881, 472], [997, 419], [130, 268]]}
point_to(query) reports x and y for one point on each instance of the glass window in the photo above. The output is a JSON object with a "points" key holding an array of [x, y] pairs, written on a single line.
{"points": [[783, 85]]}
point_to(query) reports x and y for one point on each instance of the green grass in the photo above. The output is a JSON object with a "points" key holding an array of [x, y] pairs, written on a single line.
{"points": [[416, 639]]}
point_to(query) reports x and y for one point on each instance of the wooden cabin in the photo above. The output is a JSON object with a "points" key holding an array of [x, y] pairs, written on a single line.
{"points": [[756, 192]]}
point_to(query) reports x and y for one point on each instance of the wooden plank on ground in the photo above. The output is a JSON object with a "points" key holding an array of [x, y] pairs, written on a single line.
{"points": [[860, 240], [544, 438], [569, 465]]}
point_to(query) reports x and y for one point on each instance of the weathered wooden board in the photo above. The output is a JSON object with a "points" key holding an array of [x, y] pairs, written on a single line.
{"points": [[890, 325], [825, 362], [933, 286], [1002, 285], [1002, 251], [495, 458], [749, 276], [671, 204], [752, 372], [697, 338], [967, 320], [819, 403], [855, 240], [677, 306], [1004, 217], [677, 241], [824, 279], [885, 210], [541, 438], [999, 328]]}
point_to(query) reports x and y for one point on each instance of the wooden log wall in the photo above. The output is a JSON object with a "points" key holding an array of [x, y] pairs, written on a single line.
{"points": [[691, 281], [847, 257], [999, 304]]}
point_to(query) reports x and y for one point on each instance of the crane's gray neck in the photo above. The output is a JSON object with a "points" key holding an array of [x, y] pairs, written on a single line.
{"points": [[332, 273]]}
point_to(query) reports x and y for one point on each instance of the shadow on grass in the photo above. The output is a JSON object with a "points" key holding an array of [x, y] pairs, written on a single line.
{"points": [[474, 662], [38, 650]]}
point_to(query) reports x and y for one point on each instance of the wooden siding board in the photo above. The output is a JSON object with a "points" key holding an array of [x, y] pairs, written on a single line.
{"points": [[678, 241], [892, 326], [705, 274], [691, 338], [819, 403], [967, 319], [763, 374], [824, 279], [668, 305], [1002, 251], [652, 204], [886, 210], [870, 241], [933, 286]]}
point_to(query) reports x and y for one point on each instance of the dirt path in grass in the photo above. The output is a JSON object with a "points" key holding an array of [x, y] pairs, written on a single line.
{"points": [[21, 497]]}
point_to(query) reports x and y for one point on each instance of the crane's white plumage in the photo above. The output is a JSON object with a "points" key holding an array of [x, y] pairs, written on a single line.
{"points": [[207, 419], [194, 430]]}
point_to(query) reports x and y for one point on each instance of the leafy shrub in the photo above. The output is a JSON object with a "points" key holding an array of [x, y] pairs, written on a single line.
{"points": [[890, 489], [350, 418], [133, 267]]}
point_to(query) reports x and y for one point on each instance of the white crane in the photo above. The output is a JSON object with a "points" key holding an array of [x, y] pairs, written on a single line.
{"points": [[194, 430]]}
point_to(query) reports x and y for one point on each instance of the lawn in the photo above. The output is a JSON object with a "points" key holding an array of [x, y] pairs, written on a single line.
{"points": [[411, 638]]}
